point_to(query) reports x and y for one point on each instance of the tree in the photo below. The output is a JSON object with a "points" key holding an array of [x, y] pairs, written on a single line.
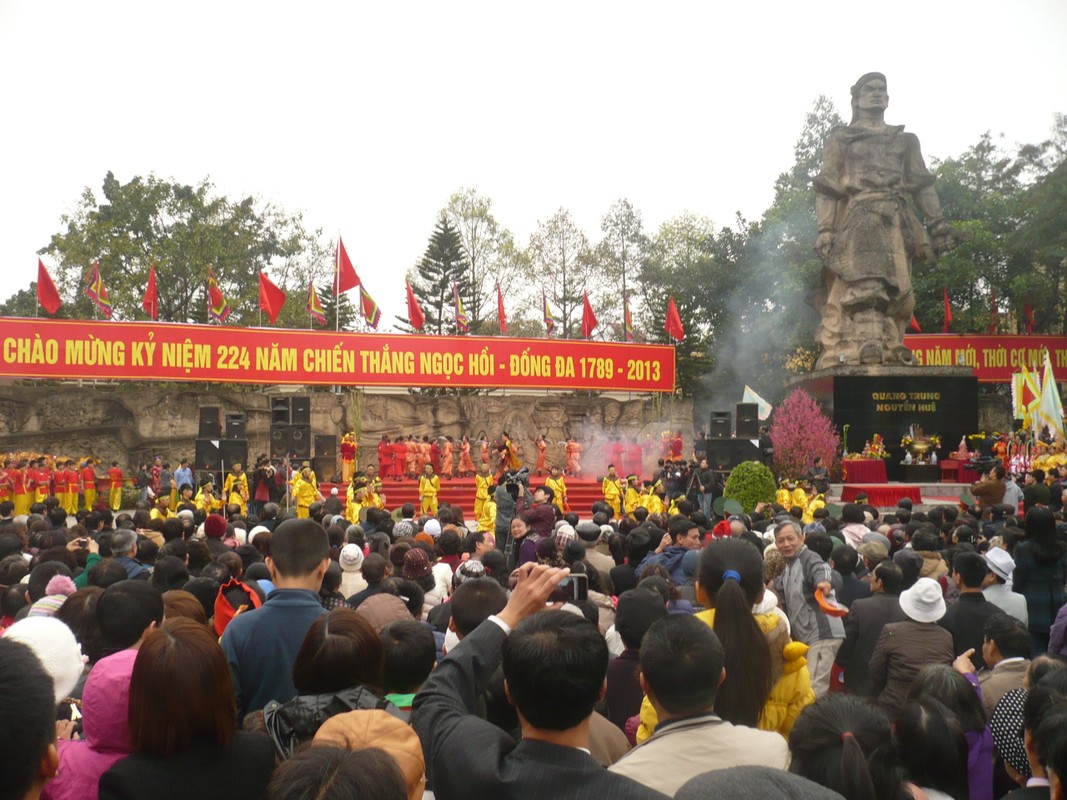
{"points": [[561, 262], [350, 317], [800, 431], [443, 264], [183, 230], [492, 256], [621, 254]]}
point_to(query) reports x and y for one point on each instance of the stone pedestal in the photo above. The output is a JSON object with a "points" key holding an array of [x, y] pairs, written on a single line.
{"points": [[889, 400]]}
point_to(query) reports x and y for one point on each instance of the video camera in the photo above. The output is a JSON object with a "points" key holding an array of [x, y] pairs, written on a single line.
{"points": [[511, 480]]}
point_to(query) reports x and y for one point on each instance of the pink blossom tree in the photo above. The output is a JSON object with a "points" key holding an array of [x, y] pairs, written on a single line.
{"points": [[800, 431]]}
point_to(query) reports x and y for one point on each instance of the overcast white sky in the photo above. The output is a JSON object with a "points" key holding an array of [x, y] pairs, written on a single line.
{"points": [[366, 117]]}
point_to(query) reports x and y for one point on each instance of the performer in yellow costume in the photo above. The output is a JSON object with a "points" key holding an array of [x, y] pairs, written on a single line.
{"points": [[235, 488], [558, 486], [305, 492], [483, 488], [633, 495], [611, 486], [429, 487], [162, 510], [487, 517], [114, 494], [357, 499], [205, 498]]}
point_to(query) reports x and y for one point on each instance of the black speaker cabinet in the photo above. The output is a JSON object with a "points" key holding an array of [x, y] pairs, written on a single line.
{"points": [[300, 441], [725, 454], [747, 421], [232, 451], [720, 426], [208, 455], [325, 470], [236, 426], [210, 422], [281, 442], [280, 411], [301, 410], [325, 446]]}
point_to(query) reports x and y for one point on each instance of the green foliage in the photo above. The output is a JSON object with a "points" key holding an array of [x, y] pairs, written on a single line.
{"points": [[183, 230], [492, 257], [443, 264], [561, 261], [750, 483]]}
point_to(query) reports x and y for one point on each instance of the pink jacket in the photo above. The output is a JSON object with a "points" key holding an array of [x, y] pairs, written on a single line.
{"points": [[106, 731]]}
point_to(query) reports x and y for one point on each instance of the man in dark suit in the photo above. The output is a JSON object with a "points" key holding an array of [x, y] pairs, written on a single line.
{"points": [[554, 669], [864, 624], [966, 618]]}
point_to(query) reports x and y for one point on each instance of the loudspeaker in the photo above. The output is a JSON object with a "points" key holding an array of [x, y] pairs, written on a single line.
{"points": [[210, 424], [325, 469], [279, 411], [725, 454], [233, 452], [300, 441], [719, 427], [281, 442], [236, 426], [325, 446], [747, 421], [208, 455], [301, 410]]}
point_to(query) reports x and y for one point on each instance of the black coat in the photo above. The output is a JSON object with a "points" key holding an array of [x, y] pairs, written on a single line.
{"points": [[238, 772], [863, 626]]}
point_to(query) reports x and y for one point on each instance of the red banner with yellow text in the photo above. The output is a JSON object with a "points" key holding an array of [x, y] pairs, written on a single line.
{"points": [[40, 348], [993, 358]]}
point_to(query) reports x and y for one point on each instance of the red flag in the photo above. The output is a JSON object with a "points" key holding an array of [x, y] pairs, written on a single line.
{"points": [[271, 298], [150, 304], [418, 319], [673, 325], [994, 323], [1028, 315], [47, 294], [588, 317], [500, 311], [914, 325], [948, 311], [344, 274]]}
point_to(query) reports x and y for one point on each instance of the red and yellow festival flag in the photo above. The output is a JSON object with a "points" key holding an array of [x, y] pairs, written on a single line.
{"points": [[96, 291], [627, 320], [463, 320], [217, 307], [314, 306], [371, 313], [550, 321], [150, 304], [500, 311]]}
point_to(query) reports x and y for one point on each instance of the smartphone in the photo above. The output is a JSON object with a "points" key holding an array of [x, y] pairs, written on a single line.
{"points": [[571, 588]]}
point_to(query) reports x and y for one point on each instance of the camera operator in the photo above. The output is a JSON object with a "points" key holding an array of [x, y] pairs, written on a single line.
{"points": [[706, 485]]}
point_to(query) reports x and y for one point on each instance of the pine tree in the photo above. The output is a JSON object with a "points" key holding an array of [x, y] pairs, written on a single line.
{"points": [[443, 263]]}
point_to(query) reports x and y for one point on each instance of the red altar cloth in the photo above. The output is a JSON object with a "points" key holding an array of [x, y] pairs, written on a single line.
{"points": [[864, 470], [883, 495]]}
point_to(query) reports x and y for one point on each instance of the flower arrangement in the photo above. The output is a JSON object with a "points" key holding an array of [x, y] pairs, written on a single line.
{"points": [[800, 431]]}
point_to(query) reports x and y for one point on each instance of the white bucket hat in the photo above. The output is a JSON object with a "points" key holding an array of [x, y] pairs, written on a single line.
{"points": [[923, 602]]}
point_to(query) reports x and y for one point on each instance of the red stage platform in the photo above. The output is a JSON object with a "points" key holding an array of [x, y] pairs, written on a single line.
{"points": [[881, 495], [581, 493]]}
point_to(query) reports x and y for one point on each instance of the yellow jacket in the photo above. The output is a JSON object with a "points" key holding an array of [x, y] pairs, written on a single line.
{"points": [[559, 490], [487, 521], [790, 694], [632, 500]]}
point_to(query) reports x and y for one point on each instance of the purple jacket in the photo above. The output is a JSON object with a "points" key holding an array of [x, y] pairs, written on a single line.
{"points": [[106, 731]]}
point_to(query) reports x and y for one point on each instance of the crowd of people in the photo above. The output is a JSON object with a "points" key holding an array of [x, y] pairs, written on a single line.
{"points": [[238, 649]]}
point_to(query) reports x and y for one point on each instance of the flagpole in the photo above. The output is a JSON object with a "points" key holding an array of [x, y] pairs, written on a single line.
{"points": [[337, 284]]}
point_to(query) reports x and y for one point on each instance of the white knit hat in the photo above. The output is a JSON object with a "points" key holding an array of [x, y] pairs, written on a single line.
{"points": [[351, 558], [924, 601], [54, 644]]}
